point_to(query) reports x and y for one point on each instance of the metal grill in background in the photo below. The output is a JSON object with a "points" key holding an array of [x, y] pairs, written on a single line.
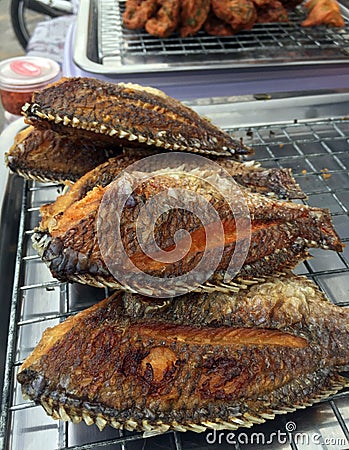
{"points": [[317, 151], [265, 43]]}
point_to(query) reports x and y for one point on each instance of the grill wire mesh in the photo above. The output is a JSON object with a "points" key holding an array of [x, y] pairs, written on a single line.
{"points": [[317, 151], [265, 42]]}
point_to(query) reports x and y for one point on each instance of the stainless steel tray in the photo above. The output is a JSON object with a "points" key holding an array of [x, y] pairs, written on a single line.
{"points": [[309, 134], [102, 45]]}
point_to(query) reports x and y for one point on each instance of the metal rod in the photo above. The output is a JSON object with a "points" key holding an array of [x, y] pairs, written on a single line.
{"points": [[12, 334]]}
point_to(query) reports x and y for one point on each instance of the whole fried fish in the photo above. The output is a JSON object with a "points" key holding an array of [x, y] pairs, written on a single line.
{"points": [[126, 115], [44, 155], [194, 362], [274, 237]]}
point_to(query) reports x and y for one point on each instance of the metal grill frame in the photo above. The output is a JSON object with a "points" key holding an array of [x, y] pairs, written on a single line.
{"points": [[270, 140], [104, 45]]}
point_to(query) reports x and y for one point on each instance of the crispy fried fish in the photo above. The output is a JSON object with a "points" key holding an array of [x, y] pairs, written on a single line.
{"points": [[195, 362], [280, 231], [44, 155], [126, 115]]}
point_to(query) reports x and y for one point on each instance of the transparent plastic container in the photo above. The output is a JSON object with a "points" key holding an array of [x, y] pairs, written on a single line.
{"points": [[21, 76]]}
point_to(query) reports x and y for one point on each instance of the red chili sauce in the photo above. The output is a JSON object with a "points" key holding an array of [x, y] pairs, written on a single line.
{"points": [[13, 101]]}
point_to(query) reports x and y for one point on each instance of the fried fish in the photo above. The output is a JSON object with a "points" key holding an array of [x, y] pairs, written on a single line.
{"points": [[126, 115], [194, 362], [70, 234], [44, 155]]}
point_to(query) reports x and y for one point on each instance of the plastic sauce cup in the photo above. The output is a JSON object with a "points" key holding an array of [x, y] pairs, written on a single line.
{"points": [[21, 76]]}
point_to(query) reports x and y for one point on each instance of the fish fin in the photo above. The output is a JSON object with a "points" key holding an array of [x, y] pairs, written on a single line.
{"points": [[298, 394]]}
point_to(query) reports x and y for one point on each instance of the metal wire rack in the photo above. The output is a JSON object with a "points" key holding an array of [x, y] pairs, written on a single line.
{"points": [[286, 42], [317, 151]]}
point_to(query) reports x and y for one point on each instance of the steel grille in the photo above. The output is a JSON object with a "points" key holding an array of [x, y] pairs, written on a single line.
{"points": [[317, 151], [264, 43]]}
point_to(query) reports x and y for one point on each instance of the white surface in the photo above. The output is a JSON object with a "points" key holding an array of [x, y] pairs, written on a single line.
{"points": [[6, 141]]}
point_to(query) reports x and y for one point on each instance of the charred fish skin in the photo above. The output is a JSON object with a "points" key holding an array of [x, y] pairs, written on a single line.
{"points": [[281, 233], [198, 361], [45, 156], [126, 113]]}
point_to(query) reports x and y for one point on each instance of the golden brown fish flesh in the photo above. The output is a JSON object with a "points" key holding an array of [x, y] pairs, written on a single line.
{"points": [[44, 155], [126, 115], [82, 240], [198, 361]]}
